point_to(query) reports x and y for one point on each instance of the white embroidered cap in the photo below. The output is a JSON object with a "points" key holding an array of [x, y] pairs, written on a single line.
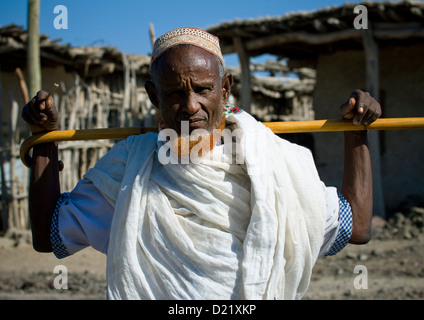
{"points": [[186, 35]]}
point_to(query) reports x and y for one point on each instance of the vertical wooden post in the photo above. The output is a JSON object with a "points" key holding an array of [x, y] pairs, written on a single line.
{"points": [[14, 221], [373, 87], [23, 85], [4, 191], [246, 91], [33, 47], [152, 34], [127, 91]]}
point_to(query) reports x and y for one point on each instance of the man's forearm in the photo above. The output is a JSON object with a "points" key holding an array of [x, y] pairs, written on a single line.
{"points": [[357, 185], [43, 194]]}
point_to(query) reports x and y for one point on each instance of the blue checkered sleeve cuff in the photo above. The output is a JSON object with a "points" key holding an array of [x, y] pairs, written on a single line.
{"points": [[58, 247], [345, 226]]}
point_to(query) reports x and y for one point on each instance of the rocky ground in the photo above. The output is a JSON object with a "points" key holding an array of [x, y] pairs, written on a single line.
{"points": [[390, 267]]}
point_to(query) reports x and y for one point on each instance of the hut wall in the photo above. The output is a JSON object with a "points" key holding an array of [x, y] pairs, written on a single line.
{"points": [[12, 89], [401, 95]]}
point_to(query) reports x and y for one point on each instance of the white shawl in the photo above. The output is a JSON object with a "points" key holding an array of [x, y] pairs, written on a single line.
{"points": [[215, 230]]}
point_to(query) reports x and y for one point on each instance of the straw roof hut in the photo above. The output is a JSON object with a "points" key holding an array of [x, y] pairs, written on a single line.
{"points": [[99, 87], [384, 59]]}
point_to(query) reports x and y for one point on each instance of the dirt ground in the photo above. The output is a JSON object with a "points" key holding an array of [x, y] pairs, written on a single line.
{"points": [[389, 267]]}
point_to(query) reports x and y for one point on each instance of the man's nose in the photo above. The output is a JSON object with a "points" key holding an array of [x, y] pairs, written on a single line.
{"points": [[192, 104]]}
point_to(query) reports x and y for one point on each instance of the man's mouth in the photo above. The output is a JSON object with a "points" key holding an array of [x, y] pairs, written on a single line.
{"points": [[193, 123], [196, 122]]}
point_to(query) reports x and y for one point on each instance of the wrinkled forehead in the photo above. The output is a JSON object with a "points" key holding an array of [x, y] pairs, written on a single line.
{"points": [[186, 58], [185, 54]]}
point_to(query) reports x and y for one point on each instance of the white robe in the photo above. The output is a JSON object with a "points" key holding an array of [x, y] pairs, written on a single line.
{"points": [[215, 230]]}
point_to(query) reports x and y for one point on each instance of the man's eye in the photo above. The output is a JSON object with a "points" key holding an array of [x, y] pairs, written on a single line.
{"points": [[175, 93], [202, 90]]}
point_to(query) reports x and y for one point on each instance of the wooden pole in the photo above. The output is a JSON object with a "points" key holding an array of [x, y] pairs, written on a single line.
{"points": [[33, 47], [126, 84], [23, 85], [246, 90], [14, 221], [276, 127], [152, 33], [4, 191], [372, 82]]}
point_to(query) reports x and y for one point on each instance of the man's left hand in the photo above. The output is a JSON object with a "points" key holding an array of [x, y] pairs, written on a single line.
{"points": [[361, 108]]}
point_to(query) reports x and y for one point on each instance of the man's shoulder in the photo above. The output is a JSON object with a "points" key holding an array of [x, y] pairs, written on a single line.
{"points": [[136, 141], [144, 141]]}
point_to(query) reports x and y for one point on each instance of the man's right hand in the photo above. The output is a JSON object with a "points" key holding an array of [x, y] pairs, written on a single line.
{"points": [[41, 115]]}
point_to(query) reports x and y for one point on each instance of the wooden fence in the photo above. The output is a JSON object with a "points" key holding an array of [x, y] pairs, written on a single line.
{"points": [[83, 106]]}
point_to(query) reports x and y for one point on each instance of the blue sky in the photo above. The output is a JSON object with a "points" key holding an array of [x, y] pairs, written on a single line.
{"points": [[124, 24]]}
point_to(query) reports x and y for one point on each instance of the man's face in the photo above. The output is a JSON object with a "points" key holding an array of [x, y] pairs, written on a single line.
{"points": [[187, 87]]}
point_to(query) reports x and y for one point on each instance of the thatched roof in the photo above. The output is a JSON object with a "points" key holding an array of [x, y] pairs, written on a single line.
{"points": [[88, 61], [306, 34]]}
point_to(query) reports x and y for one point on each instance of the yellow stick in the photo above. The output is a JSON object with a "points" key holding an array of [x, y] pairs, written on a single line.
{"points": [[344, 125], [276, 127]]}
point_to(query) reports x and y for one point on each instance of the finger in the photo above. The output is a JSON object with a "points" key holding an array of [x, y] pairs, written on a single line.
{"points": [[370, 120], [49, 102], [362, 107], [366, 118], [362, 101], [35, 102], [25, 114], [33, 116], [42, 105], [347, 108], [40, 100], [42, 95], [46, 104], [43, 117], [372, 115], [358, 119], [352, 103]]}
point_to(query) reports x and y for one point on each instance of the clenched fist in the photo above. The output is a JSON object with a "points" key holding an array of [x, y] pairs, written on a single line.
{"points": [[361, 108], [41, 114]]}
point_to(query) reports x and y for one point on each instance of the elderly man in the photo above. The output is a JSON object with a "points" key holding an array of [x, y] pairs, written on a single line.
{"points": [[247, 220]]}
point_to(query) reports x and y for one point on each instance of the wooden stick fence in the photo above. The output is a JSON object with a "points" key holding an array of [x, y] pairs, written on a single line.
{"points": [[276, 127]]}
